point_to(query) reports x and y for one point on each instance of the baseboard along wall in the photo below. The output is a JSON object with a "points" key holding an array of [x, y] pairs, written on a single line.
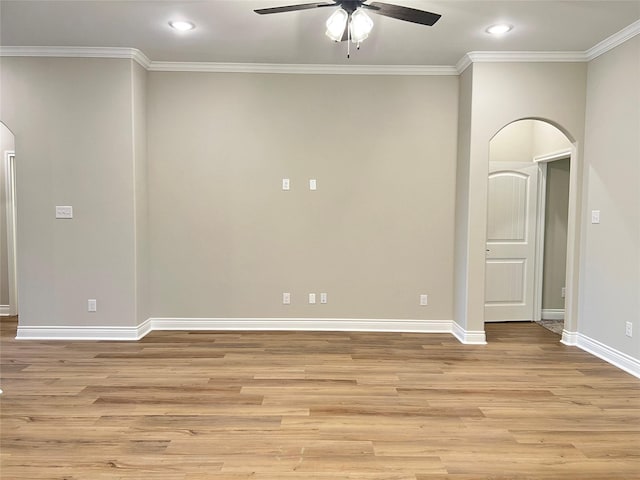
{"points": [[272, 324], [552, 314], [606, 353]]}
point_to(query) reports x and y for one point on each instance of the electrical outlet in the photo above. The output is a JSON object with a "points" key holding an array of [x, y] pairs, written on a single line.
{"points": [[286, 298], [424, 300], [313, 185], [628, 329], [563, 292], [64, 211], [92, 305], [312, 298], [323, 298], [285, 184]]}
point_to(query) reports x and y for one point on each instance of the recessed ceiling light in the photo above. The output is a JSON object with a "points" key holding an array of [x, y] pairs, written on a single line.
{"points": [[181, 25], [499, 29]]}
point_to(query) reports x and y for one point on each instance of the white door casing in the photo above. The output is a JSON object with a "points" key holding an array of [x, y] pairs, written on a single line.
{"points": [[10, 192], [511, 241]]}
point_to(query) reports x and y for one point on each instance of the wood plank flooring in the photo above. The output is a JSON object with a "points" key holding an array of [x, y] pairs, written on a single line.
{"points": [[318, 406]]}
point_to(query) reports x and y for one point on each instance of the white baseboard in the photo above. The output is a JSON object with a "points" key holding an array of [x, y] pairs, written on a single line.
{"points": [[468, 337], [569, 338], [611, 355], [5, 310], [144, 328], [553, 313], [213, 324], [83, 333], [244, 324], [303, 324]]}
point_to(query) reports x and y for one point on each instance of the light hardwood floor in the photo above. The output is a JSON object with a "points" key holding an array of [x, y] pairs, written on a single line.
{"points": [[319, 406]]}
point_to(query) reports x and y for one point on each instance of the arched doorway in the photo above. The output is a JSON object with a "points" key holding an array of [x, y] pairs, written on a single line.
{"points": [[530, 225], [8, 277]]}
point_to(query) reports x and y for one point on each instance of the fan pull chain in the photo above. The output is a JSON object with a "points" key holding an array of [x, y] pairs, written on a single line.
{"points": [[349, 37]]}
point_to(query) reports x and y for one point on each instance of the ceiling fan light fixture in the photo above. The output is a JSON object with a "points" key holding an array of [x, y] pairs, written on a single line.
{"points": [[360, 25], [181, 25], [336, 24], [499, 29]]}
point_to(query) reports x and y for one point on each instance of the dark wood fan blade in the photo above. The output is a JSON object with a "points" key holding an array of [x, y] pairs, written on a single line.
{"points": [[292, 8], [405, 13]]}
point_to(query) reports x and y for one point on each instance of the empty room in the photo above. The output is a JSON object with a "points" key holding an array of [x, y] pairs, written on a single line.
{"points": [[263, 239]]}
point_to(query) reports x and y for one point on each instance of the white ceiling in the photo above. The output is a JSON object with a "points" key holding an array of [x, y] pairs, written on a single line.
{"points": [[229, 30]]}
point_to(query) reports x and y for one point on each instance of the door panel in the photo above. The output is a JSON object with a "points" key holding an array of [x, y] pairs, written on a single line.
{"points": [[508, 212], [508, 282], [512, 208]]}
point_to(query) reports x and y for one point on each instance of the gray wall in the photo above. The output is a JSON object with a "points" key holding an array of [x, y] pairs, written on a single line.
{"points": [[226, 241], [610, 293], [523, 140], [141, 210], [555, 234], [514, 143], [462, 217], [503, 93], [186, 197], [548, 139], [72, 120]]}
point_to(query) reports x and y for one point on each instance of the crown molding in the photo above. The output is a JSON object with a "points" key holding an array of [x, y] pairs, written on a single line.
{"points": [[463, 63], [604, 46], [305, 69], [613, 41], [518, 57], [144, 61], [323, 69], [78, 52], [509, 56]]}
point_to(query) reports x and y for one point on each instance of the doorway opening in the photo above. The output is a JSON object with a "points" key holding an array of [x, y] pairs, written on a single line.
{"points": [[8, 271], [528, 224]]}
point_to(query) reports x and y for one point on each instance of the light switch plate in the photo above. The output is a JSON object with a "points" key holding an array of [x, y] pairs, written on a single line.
{"points": [[64, 211], [595, 216], [313, 185], [285, 184]]}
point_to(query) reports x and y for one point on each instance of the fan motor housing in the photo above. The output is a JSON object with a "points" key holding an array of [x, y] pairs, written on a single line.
{"points": [[350, 6]]}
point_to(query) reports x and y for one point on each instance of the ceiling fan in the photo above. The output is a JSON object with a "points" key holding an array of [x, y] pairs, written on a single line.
{"points": [[350, 21]]}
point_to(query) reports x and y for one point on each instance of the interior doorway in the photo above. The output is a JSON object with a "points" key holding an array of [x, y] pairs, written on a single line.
{"points": [[528, 195], [8, 271], [553, 230]]}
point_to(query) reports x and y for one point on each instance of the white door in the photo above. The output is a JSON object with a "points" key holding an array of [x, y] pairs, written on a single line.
{"points": [[511, 236]]}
